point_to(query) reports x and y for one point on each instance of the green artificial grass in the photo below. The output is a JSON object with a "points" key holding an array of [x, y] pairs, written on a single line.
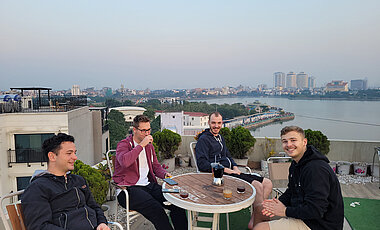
{"points": [[238, 220], [364, 216]]}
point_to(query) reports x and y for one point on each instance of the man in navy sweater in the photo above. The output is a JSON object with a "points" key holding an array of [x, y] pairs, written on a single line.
{"points": [[211, 147]]}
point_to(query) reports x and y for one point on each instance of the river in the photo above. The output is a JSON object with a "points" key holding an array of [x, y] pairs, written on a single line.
{"points": [[338, 120]]}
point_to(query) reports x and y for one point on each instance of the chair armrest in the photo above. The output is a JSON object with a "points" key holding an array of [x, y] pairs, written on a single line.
{"points": [[116, 224], [246, 168]]}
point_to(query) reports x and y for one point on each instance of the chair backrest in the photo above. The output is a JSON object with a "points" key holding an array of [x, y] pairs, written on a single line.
{"points": [[278, 167], [192, 149], [14, 211], [111, 162]]}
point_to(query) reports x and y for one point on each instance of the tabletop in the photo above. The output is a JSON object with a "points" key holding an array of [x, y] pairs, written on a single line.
{"points": [[207, 198]]}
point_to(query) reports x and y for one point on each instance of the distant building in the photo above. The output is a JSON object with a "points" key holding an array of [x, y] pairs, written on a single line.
{"points": [[183, 123], [24, 131], [337, 86], [291, 82], [279, 79], [360, 84], [130, 112], [75, 90], [311, 83], [302, 80]]}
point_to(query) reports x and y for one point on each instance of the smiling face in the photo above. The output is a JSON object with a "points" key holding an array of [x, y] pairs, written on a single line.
{"points": [[294, 144], [215, 124], [63, 161]]}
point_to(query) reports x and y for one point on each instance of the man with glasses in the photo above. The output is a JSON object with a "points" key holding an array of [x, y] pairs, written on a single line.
{"points": [[137, 167]]}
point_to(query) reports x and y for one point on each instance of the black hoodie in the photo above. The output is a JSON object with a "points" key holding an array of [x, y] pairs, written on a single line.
{"points": [[52, 202], [313, 194], [210, 149]]}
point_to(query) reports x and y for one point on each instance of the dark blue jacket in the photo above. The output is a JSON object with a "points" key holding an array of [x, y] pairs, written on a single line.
{"points": [[313, 194], [51, 202], [210, 149]]}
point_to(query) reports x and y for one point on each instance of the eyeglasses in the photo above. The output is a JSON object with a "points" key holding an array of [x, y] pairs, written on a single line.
{"points": [[144, 130]]}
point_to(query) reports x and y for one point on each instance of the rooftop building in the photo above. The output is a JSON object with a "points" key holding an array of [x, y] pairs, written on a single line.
{"points": [[337, 86]]}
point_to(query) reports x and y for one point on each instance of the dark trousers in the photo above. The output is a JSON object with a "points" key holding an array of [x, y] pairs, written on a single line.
{"points": [[148, 200]]}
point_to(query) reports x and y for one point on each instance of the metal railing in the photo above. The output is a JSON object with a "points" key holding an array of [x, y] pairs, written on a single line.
{"points": [[26, 156]]}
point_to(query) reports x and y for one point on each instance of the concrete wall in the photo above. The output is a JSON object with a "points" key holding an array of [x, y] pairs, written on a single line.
{"points": [[81, 127], [340, 150]]}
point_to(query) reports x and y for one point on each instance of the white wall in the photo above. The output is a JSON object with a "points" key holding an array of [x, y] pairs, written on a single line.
{"points": [[172, 120]]}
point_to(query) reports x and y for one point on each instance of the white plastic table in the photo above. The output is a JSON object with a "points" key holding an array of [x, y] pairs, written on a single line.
{"points": [[207, 198]]}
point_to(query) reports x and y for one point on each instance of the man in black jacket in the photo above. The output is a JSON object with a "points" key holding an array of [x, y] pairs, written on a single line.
{"points": [[57, 199], [211, 147], [313, 199]]}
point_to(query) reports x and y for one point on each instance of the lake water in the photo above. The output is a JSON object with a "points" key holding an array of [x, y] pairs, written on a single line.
{"points": [[339, 120]]}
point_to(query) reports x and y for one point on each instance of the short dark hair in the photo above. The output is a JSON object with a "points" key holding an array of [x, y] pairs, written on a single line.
{"points": [[53, 144], [294, 128], [216, 114], [138, 119]]}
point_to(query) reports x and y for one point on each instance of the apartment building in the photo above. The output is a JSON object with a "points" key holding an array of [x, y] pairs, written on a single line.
{"points": [[22, 133], [183, 123]]}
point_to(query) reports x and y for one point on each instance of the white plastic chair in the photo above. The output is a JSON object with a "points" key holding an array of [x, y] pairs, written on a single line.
{"points": [[131, 215], [15, 215]]}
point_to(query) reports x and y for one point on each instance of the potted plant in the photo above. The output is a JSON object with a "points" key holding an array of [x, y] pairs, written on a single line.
{"points": [[318, 140], [167, 143], [268, 150], [239, 141], [97, 182]]}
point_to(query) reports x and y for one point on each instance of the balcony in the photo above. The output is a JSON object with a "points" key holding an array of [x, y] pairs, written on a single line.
{"points": [[26, 156]]}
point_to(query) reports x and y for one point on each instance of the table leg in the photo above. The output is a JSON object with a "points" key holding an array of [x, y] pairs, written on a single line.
{"points": [[190, 220], [215, 221]]}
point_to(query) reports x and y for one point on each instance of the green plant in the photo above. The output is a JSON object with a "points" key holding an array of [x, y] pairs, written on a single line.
{"points": [[96, 181], [318, 140], [238, 140], [167, 143], [269, 147]]}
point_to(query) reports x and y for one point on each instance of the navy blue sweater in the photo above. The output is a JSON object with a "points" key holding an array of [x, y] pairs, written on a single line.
{"points": [[210, 149], [51, 202]]}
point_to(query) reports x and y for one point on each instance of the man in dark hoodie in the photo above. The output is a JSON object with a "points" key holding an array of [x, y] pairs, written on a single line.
{"points": [[211, 147], [313, 199], [57, 199]]}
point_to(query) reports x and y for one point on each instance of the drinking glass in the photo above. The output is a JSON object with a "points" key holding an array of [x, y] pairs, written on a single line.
{"points": [[183, 193], [240, 188], [227, 193]]}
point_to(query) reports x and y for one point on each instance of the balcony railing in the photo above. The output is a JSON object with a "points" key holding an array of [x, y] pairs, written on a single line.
{"points": [[26, 156]]}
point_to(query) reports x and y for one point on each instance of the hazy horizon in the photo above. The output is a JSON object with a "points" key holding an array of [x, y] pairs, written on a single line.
{"points": [[183, 45]]}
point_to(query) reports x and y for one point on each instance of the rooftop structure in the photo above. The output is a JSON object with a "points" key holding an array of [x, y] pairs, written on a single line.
{"points": [[337, 86]]}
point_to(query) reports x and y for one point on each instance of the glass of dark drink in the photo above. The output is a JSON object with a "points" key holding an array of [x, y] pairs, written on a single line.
{"points": [[240, 189], [183, 192]]}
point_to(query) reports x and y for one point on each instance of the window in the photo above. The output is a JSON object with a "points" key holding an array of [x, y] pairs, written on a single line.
{"points": [[107, 144], [29, 147], [22, 183]]}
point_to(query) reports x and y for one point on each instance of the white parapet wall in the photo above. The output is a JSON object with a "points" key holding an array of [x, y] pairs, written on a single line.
{"points": [[340, 150]]}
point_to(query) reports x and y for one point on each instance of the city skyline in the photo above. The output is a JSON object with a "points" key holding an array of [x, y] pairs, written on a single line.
{"points": [[183, 45]]}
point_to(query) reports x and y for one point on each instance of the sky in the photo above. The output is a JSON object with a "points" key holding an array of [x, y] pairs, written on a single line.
{"points": [[185, 44]]}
